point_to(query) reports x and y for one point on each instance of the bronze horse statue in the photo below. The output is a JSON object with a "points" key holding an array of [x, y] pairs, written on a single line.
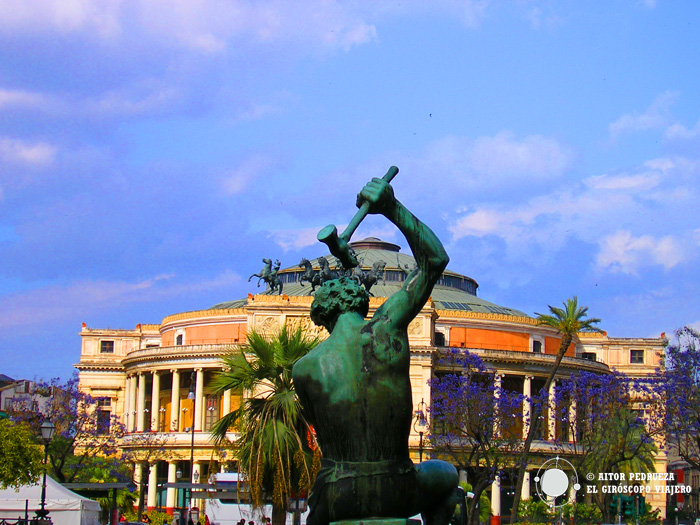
{"points": [[309, 275], [268, 274], [374, 275]]}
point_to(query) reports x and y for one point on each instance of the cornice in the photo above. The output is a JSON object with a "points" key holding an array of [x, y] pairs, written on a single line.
{"points": [[224, 312], [488, 316], [102, 367]]}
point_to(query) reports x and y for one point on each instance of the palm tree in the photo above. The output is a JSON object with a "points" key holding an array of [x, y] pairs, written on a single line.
{"points": [[568, 321], [276, 450]]}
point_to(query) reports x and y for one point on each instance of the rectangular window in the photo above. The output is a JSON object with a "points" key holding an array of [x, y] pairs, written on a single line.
{"points": [[106, 347], [104, 402], [211, 415], [103, 419], [537, 347], [589, 355], [637, 357]]}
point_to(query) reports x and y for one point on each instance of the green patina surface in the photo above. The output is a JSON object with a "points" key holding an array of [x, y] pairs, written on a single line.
{"points": [[356, 391]]}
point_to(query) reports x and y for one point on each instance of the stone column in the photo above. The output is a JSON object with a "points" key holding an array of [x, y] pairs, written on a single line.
{"points": [[171, 495], [138, 473], [525, 492], [152, 501], [497, 383], [572, 420], [155, 401], [496, 497], [226, 408], [197, 468], [132, 404], [527, 404], [175, 402], [552, 412], [199, 400], [141, 404], [127, 392]]}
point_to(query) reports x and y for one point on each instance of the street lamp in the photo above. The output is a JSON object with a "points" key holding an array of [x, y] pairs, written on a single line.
{"points": [[420, 425], [47, 429], [190, 395]]}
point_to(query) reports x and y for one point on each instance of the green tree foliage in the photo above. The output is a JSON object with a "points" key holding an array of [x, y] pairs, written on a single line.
{"points": [[568, 321], [582, 514], [534, 511], [21, 458], [276, 450]]}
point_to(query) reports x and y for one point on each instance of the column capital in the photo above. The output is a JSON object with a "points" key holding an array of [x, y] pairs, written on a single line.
{"points": [[174, 370]]}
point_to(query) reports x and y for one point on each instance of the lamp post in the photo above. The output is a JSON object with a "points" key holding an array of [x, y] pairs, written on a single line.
{"points": [[47, 429], [419, 426], [190, 395]]}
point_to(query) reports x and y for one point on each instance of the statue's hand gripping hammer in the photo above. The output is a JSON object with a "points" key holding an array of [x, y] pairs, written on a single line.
{"points": [[338, 244]]}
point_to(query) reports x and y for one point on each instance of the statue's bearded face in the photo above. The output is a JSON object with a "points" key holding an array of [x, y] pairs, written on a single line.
{"points": [[335, 297]]}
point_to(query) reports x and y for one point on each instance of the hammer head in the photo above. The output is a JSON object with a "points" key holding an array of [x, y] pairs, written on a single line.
{"points": [[337, 246]]}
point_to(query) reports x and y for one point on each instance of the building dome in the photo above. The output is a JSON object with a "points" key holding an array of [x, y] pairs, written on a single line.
{"points": [[452, 292]]}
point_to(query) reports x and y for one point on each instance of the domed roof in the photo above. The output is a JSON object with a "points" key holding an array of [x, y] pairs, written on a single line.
{"points": [[452, 292]]}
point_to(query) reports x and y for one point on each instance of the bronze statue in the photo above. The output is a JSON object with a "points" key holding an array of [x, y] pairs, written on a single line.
{"points": [[268, 274], [325, 272], [375, 274], [356, 391], [309, 275]]}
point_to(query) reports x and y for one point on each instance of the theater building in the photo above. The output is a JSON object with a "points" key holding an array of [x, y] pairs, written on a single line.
{"points": [[156, 377]]}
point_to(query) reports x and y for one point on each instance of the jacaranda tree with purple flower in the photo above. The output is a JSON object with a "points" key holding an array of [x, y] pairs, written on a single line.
{"points": [[473, 421], [681, 391], [83, 431], [614, 428]]}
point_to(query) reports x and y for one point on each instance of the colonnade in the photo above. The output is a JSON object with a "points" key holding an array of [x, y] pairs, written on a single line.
{"points": [[551, 426], [136, 412], [551, 429]]}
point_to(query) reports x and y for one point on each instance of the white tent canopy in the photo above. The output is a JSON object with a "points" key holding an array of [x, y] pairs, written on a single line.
{"points": [[65, 507]]}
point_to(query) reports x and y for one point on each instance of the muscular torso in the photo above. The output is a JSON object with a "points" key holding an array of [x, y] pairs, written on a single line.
{"points": [[355, 389]]}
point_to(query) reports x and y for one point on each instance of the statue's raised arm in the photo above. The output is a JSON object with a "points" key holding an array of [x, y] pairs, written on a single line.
{"points": [[430, 255]]}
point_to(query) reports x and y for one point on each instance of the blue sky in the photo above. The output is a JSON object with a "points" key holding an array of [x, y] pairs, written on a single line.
{"points": [[152, 152]]}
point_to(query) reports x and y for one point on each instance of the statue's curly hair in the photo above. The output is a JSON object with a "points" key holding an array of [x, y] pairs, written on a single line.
{"points": [[338, 296]]}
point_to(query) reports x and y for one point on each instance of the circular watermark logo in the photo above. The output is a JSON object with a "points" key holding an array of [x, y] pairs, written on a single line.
{"points": [[555, 478]]}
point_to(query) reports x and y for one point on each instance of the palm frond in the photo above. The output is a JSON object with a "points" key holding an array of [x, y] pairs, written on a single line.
{"points": [[272, 450]]}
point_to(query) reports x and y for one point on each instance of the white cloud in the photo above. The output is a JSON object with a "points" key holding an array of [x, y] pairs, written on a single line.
{"points": [[64, 16], [34, 154], [625, 253], [64, 303], [642, 182], [208, 26], [17, 98], [296, 239], [492, 160], [535, 154], [655, 116], [238, 179], [147, 97], [608, 211], [680, 132]]}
